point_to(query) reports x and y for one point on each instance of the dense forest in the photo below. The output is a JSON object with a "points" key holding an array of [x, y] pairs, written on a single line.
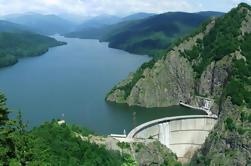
{"points": [[14, 45], [222, 41], [151, 36], [50, 144]]}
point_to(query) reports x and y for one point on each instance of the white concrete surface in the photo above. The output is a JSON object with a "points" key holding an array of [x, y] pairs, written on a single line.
{"points": [[182, 134]]}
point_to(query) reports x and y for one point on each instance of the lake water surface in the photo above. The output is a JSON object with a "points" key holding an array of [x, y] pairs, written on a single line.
{"points": [[73, 80]]}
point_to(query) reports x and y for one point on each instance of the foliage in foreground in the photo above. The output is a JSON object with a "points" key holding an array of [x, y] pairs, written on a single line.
{"points": [[50, 144]]}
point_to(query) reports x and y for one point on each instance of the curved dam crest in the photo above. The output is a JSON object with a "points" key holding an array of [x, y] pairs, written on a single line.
{"points": [[182, 134]]}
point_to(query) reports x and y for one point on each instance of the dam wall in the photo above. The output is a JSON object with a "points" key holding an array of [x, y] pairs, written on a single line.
{"points": [[182, 134]]}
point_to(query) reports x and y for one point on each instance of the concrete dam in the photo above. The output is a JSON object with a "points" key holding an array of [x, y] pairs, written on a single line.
{"points": [[182, 134]]}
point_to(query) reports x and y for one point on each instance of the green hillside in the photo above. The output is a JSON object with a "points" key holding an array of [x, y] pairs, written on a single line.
{"points": [[69, 145], [49, 144], [151, 35], [155, 34], [213, 62], [23, 44]]}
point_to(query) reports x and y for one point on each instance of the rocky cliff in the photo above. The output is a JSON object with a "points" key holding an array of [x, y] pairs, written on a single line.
{"points": [[229, 143], [214, 63], [170, 80], [185, 72]]}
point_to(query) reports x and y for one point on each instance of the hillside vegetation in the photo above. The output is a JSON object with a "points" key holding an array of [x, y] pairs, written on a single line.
{"points": [[212, 62], [69, 145], [15, 45], [49, 144], [152, 35]]}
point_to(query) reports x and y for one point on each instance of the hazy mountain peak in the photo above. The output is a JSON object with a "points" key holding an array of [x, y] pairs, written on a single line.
{"points": [[39, 23], [137, 16]]}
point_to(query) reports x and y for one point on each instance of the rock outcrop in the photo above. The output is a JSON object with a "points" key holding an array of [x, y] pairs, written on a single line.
{"points": [[145, 153], [169, 81], [229, 143], [213, 63]]}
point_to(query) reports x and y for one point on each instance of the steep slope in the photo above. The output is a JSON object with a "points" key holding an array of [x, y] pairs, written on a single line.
{"points": [[163, 82], [39, 23], [192, 67], [151, 35], [14, 45], [215, 63]]}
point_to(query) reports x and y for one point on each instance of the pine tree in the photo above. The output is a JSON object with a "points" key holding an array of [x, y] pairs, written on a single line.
{"points": [[14, 141], [3, 110]]}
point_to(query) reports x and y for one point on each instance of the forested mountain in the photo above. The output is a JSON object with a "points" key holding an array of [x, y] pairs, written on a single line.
{"points": [[101, 22], [137, 16], [98, 22], [14, 45], [214, 63], [153, 35], [6, 26], [43, 24], [211, 13], [147, 36]]}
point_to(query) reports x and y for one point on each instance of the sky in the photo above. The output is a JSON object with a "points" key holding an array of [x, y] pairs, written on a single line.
{"points": [[91, 8]]}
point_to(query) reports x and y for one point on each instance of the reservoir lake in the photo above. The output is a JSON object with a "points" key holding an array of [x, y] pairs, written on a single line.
{"points": [[71, 82]]}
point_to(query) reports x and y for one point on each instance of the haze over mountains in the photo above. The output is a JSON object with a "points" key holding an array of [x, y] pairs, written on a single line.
{"points": [[24, 39], [141, 33], [52, 24], [44, 24], [6, 26], [150, 34]]}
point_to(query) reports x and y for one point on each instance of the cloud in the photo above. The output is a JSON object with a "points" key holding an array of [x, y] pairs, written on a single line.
{"points": [[87, 8], [93, 7]]}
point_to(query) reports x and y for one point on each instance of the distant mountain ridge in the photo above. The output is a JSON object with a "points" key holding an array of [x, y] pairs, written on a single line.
{"points": [[17, 41], [99, 21], [150, 35], [154, 35], [6, 26], [137, 16], [43, 24]]}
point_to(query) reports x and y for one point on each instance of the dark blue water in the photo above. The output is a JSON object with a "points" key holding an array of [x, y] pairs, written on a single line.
{"points": [[73, 80]]}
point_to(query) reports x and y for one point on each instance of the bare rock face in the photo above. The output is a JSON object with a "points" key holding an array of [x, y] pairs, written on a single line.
{"points": [[213, 79], [117, 96], [228, 143], [246, 24], [170, 81]]}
